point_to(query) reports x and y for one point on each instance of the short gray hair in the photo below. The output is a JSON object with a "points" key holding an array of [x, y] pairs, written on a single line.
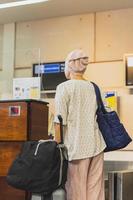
{"points": [[75, 62]]}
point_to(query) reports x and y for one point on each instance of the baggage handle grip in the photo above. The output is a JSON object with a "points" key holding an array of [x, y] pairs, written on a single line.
{"points": [[61, 128]]}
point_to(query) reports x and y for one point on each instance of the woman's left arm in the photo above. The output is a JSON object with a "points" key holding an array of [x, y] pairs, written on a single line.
{"points": [[57, 137], [61, 100]]}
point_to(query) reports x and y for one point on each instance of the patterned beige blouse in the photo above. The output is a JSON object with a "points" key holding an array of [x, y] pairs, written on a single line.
{"points": [[75, 100]]}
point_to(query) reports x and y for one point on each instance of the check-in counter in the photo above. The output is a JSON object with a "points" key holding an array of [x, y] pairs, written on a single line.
{"points": [[20, 120], [118, 168]]}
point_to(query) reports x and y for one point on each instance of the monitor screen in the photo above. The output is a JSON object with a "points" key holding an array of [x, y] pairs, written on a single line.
{"points": [[129, 69], [52, 74]]}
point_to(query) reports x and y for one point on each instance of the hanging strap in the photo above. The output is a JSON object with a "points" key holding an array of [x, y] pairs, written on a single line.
{"points": [[61, 128], [99, 99]]}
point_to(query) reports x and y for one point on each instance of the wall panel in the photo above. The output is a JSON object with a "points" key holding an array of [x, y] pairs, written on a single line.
{"points": [[108, 74], [52, 39], [114, 34], [18, 73], [1, 44], [126, 114]]}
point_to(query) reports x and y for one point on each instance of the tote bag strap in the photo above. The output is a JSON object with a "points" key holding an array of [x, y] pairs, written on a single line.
{"points": [[99, 98]]}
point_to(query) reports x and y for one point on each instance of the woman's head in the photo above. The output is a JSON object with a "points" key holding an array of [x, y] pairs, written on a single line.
{"points": [[76, 62]]}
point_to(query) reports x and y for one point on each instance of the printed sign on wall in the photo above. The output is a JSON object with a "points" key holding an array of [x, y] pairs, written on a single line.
{"points": [[26, 88], [110, 100]]}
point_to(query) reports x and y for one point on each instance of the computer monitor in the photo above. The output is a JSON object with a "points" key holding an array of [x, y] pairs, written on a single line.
{"points": [[128, 60], [52, 74]]}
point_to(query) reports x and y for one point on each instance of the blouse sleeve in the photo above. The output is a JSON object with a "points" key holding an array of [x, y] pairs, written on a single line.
{"points": [[61, 104]]}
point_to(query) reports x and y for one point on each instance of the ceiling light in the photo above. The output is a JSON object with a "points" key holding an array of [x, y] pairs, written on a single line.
{"points": [[20, 3]]}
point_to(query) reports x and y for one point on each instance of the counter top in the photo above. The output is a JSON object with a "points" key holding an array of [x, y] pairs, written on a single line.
{"points": [[122, 155], [24, 100]]}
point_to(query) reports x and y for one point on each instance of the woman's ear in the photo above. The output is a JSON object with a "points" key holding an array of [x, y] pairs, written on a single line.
{"points": [[77, 65]]}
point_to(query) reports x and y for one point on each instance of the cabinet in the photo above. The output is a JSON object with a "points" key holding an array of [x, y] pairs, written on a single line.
{"points": [[21, 120]]}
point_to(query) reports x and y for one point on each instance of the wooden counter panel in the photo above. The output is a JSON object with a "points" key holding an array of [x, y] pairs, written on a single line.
{"points": [[38, 121], [9, 193], [13, 127], [8, 152]]}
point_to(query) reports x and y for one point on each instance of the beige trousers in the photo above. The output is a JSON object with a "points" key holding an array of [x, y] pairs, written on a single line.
{"points": [[85, 179]]}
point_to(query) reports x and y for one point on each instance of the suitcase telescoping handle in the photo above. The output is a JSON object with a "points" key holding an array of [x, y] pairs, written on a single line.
{"points": [[61, 128]]}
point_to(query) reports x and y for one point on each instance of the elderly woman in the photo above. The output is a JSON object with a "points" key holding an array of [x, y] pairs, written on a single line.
{"points": [[75, 101]]}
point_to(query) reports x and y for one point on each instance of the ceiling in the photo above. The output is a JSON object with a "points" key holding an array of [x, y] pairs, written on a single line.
{"points": [[56, 8]]}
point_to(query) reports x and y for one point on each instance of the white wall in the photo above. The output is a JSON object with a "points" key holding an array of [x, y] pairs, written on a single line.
{"points": [[1, 44], [7, 59]]}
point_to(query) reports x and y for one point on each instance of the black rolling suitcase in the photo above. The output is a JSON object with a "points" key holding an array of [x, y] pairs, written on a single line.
{"points": [[60, 193]]}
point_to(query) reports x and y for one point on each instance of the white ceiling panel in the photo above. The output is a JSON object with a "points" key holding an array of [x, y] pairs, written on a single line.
{"points": [[8, 1], [56, 8]]}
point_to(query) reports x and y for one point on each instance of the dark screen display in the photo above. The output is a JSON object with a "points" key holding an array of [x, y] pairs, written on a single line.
{"points": [[129, 70], [52, 74]]}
